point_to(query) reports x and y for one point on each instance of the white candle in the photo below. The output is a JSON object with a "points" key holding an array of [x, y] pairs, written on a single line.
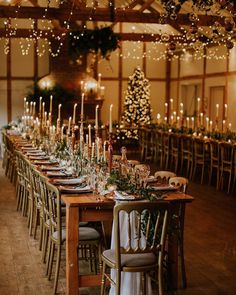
{"points": [[96, 117], [43, 109], [226, 111], [166, 108], [223, 125], [207, 124], [178, 118], [217, 111], [40, 106], [24, 105], [171, 119], [174, 114], [92, 150], [201, 119], [230, 126], [45, 118], [102, 90], [104, 151], [59, 112], [62, 131], [171, 105], [192, 122], [158, 118], [34, 105], [187, 120], [89, 131], [98, 154], [69, 124], [82, 106], [110, 119], [165, 119], [50, 109], [74, 113], [58, 125], [50, 118], [211, 126], [198, 104], [86, 138], [99, 80], [31, 107]]}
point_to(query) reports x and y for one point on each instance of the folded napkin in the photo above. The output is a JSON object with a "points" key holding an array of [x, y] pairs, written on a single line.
{"points": [[58, 174], [71, 181], [75, 189], [123, 196]]}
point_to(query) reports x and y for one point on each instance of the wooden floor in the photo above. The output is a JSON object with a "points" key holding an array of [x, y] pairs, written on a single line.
{"points": [[210, 239]]}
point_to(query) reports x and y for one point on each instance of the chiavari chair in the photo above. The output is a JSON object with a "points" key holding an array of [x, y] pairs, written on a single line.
{"points": [[143, 248], [186, 154], [174, 151], [163, 176], [165, 150], [214, 161]]}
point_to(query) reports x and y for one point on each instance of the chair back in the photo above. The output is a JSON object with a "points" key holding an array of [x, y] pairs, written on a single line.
{"points": [[214, 151], [180, 182], [164, 176], [226, 155], [146, 228]]}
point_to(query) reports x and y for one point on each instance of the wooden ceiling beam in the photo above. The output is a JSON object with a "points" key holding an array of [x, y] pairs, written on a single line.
{"points": [[25, 33], [101, 14], [146, 5]]}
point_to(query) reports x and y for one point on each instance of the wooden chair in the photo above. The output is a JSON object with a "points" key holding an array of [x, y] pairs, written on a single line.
{"points": [[164, 176], [146, 238], [214, 161], [200, 159], [181, 183], [186, 154], [165, 150], [226, 164], [174, 151], [159, 149], [89, 237]]}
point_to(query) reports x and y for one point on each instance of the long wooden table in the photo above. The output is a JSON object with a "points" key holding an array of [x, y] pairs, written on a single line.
{"points": [[89, 207]]}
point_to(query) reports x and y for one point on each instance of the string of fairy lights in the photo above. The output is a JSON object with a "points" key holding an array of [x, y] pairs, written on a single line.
{"points": [[174, 45]]}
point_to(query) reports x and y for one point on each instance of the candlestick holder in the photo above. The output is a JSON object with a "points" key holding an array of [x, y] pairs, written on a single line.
{"points": [[110, 152]]}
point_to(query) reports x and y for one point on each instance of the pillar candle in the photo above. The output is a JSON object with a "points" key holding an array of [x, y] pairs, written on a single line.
{"points": [[50, 108], [110, 119], [96, 117], [59, 112], [74, 113], [89, 132]]}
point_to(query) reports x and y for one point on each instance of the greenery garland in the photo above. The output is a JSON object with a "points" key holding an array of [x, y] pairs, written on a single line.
{"points": [[100, 41]]}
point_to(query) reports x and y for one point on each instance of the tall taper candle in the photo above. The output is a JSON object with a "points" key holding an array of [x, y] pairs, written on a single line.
{"points": [[34, 105], [226, 111], [90, 138], [110, 119], [59, 112], [82, 106], [50, 108], [96, 117], [69, 123], [74, 113]]}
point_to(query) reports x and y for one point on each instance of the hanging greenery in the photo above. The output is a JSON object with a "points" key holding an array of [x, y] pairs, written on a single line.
{"points": [[101, 41]]}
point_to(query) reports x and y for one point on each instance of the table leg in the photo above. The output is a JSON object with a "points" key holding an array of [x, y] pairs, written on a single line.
{"points": [[72, 239]]}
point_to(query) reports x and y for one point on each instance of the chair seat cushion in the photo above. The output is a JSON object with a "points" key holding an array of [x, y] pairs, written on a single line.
{"points": [[131, 260], [85, 234]]}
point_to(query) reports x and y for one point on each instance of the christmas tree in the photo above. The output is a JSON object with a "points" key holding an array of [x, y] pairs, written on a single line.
{"points": [[137, 108]]}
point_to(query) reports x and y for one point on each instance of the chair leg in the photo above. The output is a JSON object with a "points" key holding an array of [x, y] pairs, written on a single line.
{"points": [[52, 250], [103, 278], [229, 183], [58, 261], [118, 276], [144, 285], [36, 217], [41, 234]]}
